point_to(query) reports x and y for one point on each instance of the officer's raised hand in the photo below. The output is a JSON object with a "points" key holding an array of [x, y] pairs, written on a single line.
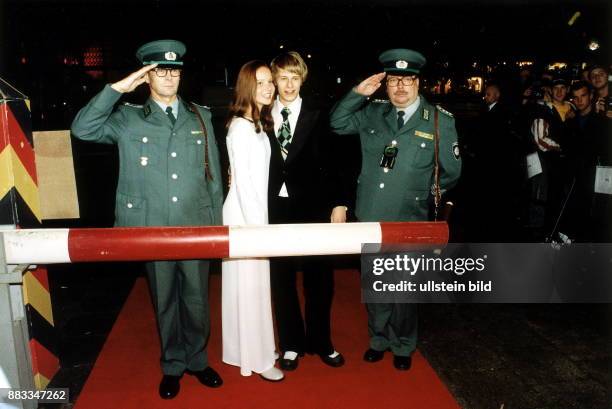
{"points": [[132, 81], [369, 86]]}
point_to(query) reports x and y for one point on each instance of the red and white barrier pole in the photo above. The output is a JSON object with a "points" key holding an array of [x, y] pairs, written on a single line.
{"points": [[48, 246]]}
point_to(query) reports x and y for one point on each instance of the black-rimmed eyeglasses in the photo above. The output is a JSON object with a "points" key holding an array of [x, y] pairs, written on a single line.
{"points": [[162, 72], [407, 81]]}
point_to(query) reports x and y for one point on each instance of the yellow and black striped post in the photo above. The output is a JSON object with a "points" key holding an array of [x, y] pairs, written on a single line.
{"points": [[20, 208]]}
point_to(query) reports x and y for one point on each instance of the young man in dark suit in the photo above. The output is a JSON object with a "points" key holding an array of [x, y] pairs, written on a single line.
{"points": [[301, 191]]}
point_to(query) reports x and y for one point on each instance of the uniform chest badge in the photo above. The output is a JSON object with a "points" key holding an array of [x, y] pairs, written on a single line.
{"points": [[387, 161], [197, 132], [424, 135]]}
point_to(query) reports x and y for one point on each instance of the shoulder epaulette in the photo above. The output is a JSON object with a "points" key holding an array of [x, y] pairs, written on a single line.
{"points": [[444, 111], [201, 106], [127, 104]]}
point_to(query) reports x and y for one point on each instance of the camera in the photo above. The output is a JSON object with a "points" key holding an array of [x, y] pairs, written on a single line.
{"points": [[537, 92]]}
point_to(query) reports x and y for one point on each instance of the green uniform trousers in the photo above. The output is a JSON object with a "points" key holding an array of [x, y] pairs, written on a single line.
{"points": [[179, 290], [393, 326]]}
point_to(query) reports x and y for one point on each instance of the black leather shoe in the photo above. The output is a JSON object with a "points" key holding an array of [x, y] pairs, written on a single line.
{"points": [[289, 364], [169, 386], [208, 377], [336, 361], [372, 355], [403, 363]]}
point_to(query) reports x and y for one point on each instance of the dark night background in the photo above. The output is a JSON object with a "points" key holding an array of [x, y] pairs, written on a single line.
{"points": [[43, 42], [60, 53]]}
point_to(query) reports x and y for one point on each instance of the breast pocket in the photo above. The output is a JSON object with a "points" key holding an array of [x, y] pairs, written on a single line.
{"points": [[145, 149], [423, 153], [195, 151], [373, 140]]}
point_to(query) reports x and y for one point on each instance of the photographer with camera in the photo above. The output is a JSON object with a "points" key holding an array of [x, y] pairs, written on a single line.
{"points": [[599, 77]]}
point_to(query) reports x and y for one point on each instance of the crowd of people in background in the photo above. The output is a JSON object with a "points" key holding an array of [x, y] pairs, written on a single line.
{"points": [[537, 163]]}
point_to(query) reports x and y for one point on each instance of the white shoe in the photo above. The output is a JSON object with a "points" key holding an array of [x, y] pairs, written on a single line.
{"points": [[272, 375]]}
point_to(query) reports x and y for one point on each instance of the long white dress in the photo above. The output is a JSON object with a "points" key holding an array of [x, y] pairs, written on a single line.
{"points": [[248, 333]]}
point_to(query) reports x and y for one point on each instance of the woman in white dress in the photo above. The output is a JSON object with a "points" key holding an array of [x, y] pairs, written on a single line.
{"points": [[248, 333]]}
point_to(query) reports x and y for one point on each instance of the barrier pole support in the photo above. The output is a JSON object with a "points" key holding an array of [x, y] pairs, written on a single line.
{"points": [[15, 361]]}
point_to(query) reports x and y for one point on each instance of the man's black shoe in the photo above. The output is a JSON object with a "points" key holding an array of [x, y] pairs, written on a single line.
{"points": [[335, 359], [403, 363], [372, 355], [208, 377], [289, 364], [169, 386]]}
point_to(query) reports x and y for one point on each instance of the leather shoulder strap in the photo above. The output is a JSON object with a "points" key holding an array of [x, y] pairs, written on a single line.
{"points": [[436, 186], [196, 111]]}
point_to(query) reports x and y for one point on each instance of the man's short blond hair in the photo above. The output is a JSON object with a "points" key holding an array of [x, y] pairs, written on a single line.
{"points": [[290, 61]]}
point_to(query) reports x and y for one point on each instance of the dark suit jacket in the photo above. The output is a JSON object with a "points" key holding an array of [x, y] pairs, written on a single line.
{"points": [[495, 148], [312, 181]]}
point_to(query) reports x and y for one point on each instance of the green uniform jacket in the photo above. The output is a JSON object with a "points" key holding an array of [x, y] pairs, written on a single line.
{"points": [[401, 193], [161, 175]]}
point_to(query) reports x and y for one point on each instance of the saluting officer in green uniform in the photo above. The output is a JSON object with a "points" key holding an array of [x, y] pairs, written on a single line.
{"points": [[169, 176], [397, 173]]}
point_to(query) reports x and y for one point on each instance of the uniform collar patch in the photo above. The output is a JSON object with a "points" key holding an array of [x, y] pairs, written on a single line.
{"points": [[426, 114]]}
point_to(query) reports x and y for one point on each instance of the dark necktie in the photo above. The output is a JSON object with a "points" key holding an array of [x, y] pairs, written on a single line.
{"points": [[171, 115], [284, 132], [400, 119]]}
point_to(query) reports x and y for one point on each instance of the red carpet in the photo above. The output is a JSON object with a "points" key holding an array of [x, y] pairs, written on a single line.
{"points": [[126, 374]]}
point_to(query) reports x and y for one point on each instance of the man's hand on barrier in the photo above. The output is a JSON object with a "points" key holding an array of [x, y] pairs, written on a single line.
{"points": [[338, 214]]}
